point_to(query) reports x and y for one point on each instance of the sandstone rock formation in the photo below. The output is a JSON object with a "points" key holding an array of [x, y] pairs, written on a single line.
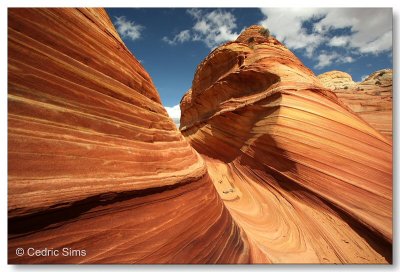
{"points": [[336, 80], [370, 99], [306, 179], [283, 171], [94, 161]]}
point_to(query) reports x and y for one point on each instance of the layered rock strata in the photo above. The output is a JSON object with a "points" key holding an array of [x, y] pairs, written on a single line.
{"points": [[307, 179], [336, 80], [370, 99], [96, 169], [95, 165]]}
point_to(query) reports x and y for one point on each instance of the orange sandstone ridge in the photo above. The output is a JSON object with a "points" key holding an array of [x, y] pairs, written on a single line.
{"points": [[306, 178], [281, 171], [94, 161], [370, 99]]}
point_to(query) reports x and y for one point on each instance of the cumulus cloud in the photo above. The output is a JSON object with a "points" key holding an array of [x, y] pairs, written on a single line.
{"points": [[371, 28], [325, 59], [347, 59], [213, 28], [364, 77], [378, 45], [128, 29], [364, 31], [287, 25], [175, 113], [339, 41]]}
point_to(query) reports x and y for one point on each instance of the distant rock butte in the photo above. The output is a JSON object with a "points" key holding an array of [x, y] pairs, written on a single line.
{"points": [[370, 99], [306, 178], [283, 171], [336, 80]]}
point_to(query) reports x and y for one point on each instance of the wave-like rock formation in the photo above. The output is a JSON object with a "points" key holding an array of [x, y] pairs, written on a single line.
{"points": [[370, 99], [98, 172], [95, 165], [305, 178]]}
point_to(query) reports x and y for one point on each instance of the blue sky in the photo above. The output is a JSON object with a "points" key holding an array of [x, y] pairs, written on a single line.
{"points": [[171, 42]]}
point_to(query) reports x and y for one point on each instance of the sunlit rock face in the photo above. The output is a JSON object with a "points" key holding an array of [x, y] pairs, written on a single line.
{"points": [[284, 172], [336, 80], [305, 178], [370, 99], [94, 162]]}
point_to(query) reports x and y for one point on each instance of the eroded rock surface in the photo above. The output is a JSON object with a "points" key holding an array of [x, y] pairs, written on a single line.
{"points": [[307, 179], [94, 161], [336, 80], [370, 99], [286, 173]]}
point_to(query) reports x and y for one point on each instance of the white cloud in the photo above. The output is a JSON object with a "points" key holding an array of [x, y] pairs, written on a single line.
{"points": [[128, 29], [287, 25], [181, 37], [202, 27], [364, 77], [379, 44], [216, 27], [339, 41], [212, 28], [325, 60], [175, 113], [371, 28], [368, 30], [195, 13], [347, 59]]}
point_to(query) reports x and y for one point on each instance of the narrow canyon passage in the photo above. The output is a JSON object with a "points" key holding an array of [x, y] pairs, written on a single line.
{"points": [[268, 166]]}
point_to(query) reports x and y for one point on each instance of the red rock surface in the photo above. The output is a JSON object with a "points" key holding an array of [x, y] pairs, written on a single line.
{"points": [[370, 99], [287, 174], [306, 179], [94, 161]]}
